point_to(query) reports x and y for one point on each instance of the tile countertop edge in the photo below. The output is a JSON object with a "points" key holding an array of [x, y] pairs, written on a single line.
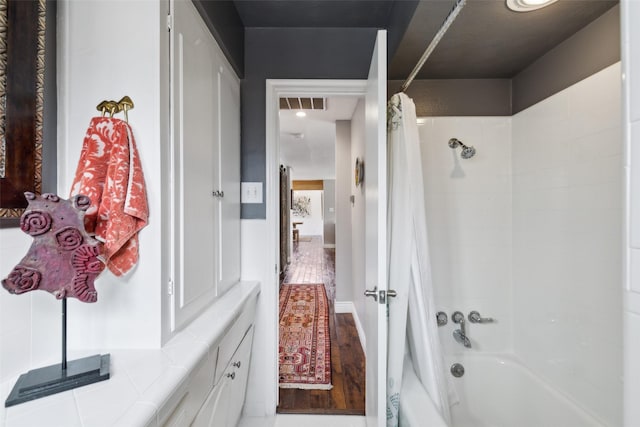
{"points": [[143, 411]]}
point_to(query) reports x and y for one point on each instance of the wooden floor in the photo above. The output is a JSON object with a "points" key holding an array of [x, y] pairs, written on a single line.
{"points": [[311, 263]]}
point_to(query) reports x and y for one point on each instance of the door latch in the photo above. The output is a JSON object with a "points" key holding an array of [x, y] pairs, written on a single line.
{"points": [[380, 296]]}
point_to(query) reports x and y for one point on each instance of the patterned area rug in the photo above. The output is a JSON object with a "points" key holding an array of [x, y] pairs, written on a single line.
{"points": [[305, 345]]}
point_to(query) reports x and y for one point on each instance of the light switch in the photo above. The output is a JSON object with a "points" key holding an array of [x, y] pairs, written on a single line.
{"points": [[251, 192]]}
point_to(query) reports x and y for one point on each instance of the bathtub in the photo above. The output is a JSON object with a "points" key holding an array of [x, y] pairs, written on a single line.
{"points": [[497, 391]]}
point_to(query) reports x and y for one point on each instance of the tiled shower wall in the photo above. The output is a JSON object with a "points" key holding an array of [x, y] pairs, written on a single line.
{"points": [[469, 224], [529, 231], [631, 60], [567, 241]]}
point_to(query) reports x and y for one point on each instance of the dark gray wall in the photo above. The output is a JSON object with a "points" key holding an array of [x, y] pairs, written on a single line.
{"points": [[458, 97], [399, 20], [344, 53], [225, 24], [292, 53], [590, 50]]}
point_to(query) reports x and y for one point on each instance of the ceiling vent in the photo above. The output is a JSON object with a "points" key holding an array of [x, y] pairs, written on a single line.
{"points": [[303, 103]]}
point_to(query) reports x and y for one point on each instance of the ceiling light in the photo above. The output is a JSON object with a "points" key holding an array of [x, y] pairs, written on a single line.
{"points": [[528, 5], [301, 114]]}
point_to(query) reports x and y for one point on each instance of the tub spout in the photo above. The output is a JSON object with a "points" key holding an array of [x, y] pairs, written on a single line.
{"points": [[461, 338], [460, 335]]}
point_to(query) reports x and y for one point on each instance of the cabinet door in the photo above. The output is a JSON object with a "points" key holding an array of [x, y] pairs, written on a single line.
{"points": [[240, 366], [214, 412], [195, 160], [229, 203]]}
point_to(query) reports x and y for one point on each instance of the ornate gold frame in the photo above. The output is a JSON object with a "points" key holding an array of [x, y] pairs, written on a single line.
{"points": [[21, 170]]}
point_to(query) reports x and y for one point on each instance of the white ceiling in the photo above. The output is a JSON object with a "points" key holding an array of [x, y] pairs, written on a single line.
{"points": [[313, 156]]}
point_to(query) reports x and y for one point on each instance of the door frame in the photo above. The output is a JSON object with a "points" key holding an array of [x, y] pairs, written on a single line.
{"points": [[275, 89]]}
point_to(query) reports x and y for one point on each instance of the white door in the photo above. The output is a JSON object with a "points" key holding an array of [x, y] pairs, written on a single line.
{"points": [[375, 182]]}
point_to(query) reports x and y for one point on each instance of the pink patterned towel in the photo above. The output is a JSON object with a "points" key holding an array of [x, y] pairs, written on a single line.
{"points": [[110, 174]]}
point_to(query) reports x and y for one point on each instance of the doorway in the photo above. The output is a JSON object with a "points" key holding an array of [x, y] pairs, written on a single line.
{"points": [[315, 186]]}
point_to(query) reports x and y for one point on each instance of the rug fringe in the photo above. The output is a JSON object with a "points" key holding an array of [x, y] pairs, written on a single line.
{"points": [[308, 386]]}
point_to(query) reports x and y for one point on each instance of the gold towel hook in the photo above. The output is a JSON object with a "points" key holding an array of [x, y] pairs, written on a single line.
{"points": [[125, 104], [113, 107], [102, 107]]}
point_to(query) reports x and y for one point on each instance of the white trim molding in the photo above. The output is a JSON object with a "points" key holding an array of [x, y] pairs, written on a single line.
{"points": [[274, 90]]}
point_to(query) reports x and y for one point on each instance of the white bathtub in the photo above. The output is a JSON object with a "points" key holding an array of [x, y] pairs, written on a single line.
{"points": [[497, 391]]}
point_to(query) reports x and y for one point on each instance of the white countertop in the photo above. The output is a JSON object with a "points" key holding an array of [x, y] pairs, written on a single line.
{"points": [[141, 380]]}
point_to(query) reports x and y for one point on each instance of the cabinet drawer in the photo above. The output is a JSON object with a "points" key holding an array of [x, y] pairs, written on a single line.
{"points": [[232, 339]]}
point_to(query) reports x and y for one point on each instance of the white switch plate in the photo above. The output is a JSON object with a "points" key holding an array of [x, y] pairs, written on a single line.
{"points": [[251, 192]]}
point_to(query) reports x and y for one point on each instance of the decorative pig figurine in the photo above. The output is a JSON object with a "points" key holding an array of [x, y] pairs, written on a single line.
{"points": [[63, 259]]}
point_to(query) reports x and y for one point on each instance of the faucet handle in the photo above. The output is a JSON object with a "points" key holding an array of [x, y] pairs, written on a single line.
{"points": [[441, 318], [457, 317], [474, 317]]}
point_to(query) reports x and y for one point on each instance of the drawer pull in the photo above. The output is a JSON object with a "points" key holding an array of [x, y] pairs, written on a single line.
{"points": [[237, 364], [232, 375]]}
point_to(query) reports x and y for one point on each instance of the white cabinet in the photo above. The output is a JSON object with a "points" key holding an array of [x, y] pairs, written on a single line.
{"points": [[205, 167], [240, 375], [214, 411], [223, 406]]}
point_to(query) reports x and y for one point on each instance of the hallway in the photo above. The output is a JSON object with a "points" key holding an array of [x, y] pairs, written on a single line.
{"points": [[312, 263]]}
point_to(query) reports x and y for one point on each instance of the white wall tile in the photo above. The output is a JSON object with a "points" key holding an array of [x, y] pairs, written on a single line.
{"points": [[634, 285], [100, 404], [15, 310], [128, 311], [261, 398], [630, 38], [595, 103], [468, 204], [631, 369], [633, 12], [58, 410], [16, 351], [634, 185], [567, 240]]}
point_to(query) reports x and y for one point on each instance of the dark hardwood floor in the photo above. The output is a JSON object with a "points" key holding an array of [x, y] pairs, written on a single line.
{"points": [[311, 263]]}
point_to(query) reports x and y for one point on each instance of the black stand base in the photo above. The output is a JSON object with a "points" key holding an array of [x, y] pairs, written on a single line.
{"points": [[53, 379]]}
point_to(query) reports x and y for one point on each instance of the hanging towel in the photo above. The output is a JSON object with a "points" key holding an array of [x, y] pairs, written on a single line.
{"points": [[110, 174]]}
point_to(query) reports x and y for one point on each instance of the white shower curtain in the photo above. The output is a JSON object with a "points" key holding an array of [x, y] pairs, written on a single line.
{"points": [[412, 316]]}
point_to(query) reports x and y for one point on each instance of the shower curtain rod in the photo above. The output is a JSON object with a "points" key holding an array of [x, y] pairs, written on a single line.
{"points": [[436, 39]]}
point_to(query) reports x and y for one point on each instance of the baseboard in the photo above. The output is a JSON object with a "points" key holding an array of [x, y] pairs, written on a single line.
{"points": [[349, 307], [329, 245], [344, 307]]}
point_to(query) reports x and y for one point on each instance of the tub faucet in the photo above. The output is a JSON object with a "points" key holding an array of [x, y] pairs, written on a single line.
{"points": [[460, 335]]}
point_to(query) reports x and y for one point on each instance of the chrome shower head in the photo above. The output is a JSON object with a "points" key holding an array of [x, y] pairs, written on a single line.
{"points": [[467, 152]]}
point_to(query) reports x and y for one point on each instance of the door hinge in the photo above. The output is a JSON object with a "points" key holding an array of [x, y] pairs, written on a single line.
{"points": [[170, 287], [169, 22]]}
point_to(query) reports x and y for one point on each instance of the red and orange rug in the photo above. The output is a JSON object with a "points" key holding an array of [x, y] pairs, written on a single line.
{"points": [[305, 345]]}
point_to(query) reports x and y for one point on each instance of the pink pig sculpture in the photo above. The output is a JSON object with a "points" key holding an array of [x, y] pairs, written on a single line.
{"points": [[63, 259]]}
